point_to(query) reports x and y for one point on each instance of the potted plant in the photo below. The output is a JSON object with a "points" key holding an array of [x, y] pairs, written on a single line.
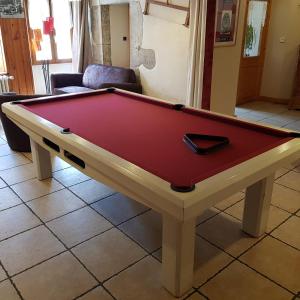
{"points": [[250, 38]]}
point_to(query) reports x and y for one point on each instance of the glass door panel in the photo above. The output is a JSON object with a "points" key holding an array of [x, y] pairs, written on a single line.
{"points": [[256, 19]]}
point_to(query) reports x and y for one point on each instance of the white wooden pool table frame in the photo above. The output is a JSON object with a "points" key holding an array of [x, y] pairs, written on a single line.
{"points": [[179, 210]]}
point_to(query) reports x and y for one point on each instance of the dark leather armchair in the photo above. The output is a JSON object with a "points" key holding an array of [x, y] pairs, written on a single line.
{"points": [[17, 139], [95, 77]]}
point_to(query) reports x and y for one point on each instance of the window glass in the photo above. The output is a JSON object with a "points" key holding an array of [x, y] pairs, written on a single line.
{"points": [[61, 14], [50, 45], [2, 57], [38, 11], [255, 24]]}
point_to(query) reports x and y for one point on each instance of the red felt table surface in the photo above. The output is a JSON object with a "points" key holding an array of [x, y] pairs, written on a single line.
{"points": [[151, 135]]}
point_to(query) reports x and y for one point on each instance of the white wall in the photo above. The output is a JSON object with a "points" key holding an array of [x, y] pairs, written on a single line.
{"points": [[164, 33], [226, 68], [119, 28], [38, 78], [281, 58]]}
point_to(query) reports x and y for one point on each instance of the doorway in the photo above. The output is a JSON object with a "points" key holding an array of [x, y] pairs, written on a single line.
{"points": [[119, 31], [253, 50]]}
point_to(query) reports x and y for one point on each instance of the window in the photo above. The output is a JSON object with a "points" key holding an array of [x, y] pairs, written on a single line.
{"points": [[2, 57], [56, 45]]}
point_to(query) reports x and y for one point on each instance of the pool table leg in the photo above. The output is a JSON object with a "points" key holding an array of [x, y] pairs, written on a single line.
{"points": [[178, 255], [257, 206], [42, 160]]}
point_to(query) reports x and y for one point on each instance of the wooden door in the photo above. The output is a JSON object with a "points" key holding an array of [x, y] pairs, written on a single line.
{"points": [[17, 54], [253, 50]]}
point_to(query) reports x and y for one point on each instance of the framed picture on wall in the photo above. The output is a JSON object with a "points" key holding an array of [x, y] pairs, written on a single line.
{"points": [[226, 22], [12, 9]]}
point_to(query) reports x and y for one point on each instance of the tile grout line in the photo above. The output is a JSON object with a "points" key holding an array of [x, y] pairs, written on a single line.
{"points": [[115, 226], [67, 249], [70, 249], [237, 258], [134, 240], [92, 289], [11, 281]]}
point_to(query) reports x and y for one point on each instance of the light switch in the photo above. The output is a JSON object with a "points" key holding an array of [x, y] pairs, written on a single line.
{"points": [[282, 39]]}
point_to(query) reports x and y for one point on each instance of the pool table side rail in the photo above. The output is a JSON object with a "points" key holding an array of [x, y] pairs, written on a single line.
{"points": [[142, 185]]}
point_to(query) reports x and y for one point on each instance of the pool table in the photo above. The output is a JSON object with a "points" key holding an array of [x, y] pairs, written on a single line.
{"points": [[137, 145]]}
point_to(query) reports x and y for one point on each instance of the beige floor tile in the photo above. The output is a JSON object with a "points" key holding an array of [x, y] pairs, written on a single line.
{"points": [[2, 184], [14, 160], [18, 174], [79, 226], [240, 282], [8, 292], [207, 214], [108, 254], [97, 294], [276, 215], [3, 137], [27, 249], [290, 180], [196, 296], [16, 220], [294, 126], [35, 188], [286, 198], [2, 274], [208, 261], [70, 176], [281, 172], [289, 232], [277, 122], [118, 208], [145, 229], [293, 165], [5, 150], [8, 198], [91, 190], [144, 280], [225, 232], [55, 205], [28, 155], [58, 164], [296, 165], [61, 277], [277, 261], [230, 201]]}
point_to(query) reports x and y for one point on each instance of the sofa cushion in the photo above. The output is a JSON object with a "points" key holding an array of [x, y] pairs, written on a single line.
{"points": [[71, 89], [95, 75]]}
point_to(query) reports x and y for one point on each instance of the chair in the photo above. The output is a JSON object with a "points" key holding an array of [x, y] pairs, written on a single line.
{"points": [[17, 139], [95, 77]]}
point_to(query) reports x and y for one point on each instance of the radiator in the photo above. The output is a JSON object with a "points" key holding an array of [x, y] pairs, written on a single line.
{"points": [[4, 84]]}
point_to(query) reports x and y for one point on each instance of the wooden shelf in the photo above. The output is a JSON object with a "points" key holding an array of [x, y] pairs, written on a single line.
{"points": [[170, 5]]}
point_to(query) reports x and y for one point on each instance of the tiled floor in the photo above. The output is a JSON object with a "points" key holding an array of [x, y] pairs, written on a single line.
{"points": [[73, 238]]}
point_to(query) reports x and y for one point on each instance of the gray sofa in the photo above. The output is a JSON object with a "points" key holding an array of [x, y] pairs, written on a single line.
{"points": [[95, 77]]}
